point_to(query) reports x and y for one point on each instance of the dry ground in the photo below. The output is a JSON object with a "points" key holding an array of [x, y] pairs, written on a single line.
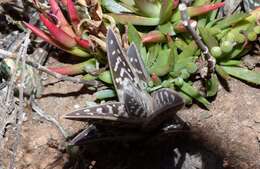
{"points": [[231, 128]]}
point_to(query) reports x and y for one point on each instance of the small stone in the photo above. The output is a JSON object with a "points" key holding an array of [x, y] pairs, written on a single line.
{"points": [[257, 117]]}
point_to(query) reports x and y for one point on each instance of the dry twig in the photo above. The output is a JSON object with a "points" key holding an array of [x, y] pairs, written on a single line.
{"points": [[21, 57], [47, 117], [60, 77], [205, 73]]}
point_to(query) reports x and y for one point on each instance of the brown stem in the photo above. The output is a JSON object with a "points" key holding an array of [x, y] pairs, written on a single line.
{"points": [[209, 58]]}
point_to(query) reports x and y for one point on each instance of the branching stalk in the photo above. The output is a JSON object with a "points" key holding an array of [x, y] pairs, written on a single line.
{"points": [[209, 58]]}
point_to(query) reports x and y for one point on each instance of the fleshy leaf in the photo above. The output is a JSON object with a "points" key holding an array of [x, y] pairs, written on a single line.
{"points": [[149, 8], [62, 21], [163, 63], [243, 74], [222, 73], [167, 28], [133, 36], [106, 77], [153, 37], [58, 33], [231, 20], [200, 2], [78, 52], [166, 10], [207, 37], [72, 12], [45, 36], [212, 86], [70, 69], [194, 93], [83, 42], [105, 94], [198, 10], [135, 20], [114, 7]]}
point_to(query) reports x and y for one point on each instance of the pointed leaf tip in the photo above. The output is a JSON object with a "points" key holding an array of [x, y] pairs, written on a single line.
{"points": [[62, 20], [72, 12], [45, 36], [200, 10], [153, 37], [175, 3], [58, 33]]}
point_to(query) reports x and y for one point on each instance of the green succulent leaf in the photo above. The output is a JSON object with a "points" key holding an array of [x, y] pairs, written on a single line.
{"points": [[184, 63], [189, 50], [181, 44], [194, 93], [200, 2], [149, 8], [240, 50], [167, 28], [105, 94], [222, 73], [207, 37], [77, 51], [163, 63], [231, 20], [133, 36], [106, 77], [166, 10], [89, 77], [128, 2], [90, 65], [231, 63], [243, 74], [135, 19], [113, 6], [187, 99], [153, 52], [212, 86]]}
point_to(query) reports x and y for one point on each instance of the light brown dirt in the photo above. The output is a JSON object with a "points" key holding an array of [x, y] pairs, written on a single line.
{"points": [[231, 127]]}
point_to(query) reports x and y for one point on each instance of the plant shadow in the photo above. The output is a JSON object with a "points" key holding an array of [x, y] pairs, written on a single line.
{"points": [[174, 152]]}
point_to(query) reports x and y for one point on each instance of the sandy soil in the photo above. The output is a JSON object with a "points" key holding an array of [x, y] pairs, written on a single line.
{"points": [[231, 128]]}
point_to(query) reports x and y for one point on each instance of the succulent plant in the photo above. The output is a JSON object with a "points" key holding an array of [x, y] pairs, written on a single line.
{"points": [[170, 54], [174, 58], [152, 13], [81, 34], [68, 36]]}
